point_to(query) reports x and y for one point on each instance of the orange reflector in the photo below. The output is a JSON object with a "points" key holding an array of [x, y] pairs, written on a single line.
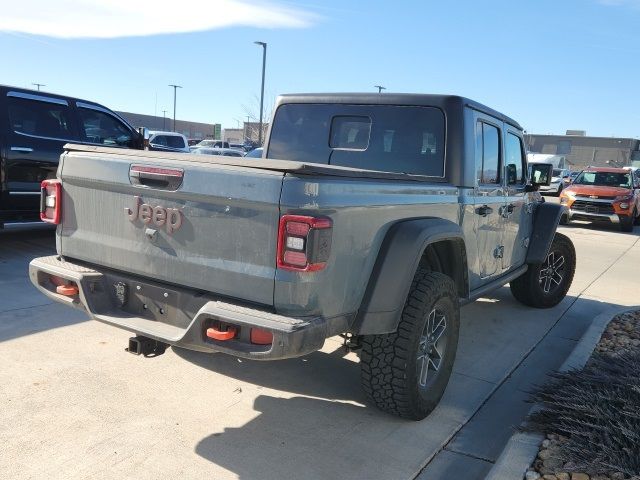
{"points": [[261, 337], [221, 335], [67, 290]]}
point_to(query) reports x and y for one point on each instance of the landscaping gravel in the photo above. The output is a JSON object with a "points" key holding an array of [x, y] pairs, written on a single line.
{"points": [[621, 337]]}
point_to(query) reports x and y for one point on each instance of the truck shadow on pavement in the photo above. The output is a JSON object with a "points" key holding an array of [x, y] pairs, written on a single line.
{"points": [[309, 438], [319, 374], [338, 434], [23, 309], [30, 320]]}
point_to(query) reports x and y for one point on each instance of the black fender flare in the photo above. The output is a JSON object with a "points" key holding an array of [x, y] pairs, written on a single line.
{"points": [[395, 267], [546, 218]]}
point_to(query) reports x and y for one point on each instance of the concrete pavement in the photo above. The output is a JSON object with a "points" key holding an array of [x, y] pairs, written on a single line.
{"points": [[76, 406]]}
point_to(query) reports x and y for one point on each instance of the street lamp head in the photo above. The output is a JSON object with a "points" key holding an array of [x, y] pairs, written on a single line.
{"points": [[261, 43]]}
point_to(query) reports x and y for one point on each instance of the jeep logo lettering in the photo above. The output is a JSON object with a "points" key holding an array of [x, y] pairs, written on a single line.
{"points": [[170, 218]]}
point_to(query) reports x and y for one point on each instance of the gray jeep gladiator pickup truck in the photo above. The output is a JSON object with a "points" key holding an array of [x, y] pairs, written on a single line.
{"points": [[371, 216]]}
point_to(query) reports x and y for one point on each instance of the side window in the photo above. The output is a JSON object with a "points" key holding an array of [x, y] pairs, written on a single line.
{"points": [[514, 160], [488, 153], [159, 140], [41, 119], [175, 141], [101, 128]]}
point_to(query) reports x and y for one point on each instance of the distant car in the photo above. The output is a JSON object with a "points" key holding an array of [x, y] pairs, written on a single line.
{"points": [[255, 153], [168, 142], [238, 146], [194, 141], [213, 144], [609, 195], [227, 152], [557, 181]]}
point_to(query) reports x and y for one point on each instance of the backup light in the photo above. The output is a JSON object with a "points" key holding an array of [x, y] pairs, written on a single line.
{"points": [[50, 201], [295, 243]]}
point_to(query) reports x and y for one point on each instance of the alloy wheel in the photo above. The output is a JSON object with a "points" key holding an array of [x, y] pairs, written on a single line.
{"points": [[552, 272], [431, 348]]}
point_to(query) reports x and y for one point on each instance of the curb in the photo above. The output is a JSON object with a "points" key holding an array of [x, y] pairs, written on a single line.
{"points": [[522, 448]]}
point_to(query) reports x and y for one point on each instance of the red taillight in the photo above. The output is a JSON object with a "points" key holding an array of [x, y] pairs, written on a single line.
{"points": [[304, 243], [50, 201]]}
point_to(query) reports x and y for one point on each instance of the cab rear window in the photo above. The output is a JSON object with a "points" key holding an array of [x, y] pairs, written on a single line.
{"points": [[403, 139]]}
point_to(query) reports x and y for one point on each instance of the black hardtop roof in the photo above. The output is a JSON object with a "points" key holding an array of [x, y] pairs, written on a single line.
{"points": [[431, 100], [44, 93]]}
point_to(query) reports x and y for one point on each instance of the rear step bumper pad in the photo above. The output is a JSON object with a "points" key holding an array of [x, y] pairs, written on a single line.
{"points": [[292, 337]]}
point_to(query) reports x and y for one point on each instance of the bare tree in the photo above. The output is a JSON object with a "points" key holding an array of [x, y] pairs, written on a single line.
{"points": [[251, 111]]}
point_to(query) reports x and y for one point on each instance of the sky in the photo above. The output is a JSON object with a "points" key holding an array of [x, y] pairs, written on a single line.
{"points": [[553, 65]]}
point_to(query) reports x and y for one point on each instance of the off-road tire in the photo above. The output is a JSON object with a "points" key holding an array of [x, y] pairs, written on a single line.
{"points": [[529, 288], [626, 224], [389, 364]]}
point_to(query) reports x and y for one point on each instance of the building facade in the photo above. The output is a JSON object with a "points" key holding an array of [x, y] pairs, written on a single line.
{"points": [[582, 151], [192, 130], [247, 134]]}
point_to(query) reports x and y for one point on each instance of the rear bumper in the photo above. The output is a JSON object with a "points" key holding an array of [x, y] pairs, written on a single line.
{"points": [[593, 217], [174, 315]]}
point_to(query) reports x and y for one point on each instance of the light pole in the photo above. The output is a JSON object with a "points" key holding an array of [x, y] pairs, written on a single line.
{"points": [[175, 89], [380, 88], [164, 118], [39, 85], [264, 61]]}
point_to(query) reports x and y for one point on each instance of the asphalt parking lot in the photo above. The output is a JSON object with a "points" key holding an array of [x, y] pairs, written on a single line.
{"points": [[75, 405]]}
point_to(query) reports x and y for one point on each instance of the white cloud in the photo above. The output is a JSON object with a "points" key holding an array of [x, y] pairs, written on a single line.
{"points": [[129, 18]]}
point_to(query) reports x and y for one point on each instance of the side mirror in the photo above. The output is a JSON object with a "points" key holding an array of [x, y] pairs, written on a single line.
{"points": [[541, 174], [144, 138]]}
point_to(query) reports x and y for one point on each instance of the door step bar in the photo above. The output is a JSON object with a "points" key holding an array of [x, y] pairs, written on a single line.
{"points": [[26, 225]]}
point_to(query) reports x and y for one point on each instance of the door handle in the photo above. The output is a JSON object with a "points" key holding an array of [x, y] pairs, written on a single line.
{"points": [[22, 149], [507, 210], [484, 210]]}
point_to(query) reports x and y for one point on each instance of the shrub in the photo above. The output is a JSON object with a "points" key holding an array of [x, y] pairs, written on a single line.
{"points": [[598, 410]]}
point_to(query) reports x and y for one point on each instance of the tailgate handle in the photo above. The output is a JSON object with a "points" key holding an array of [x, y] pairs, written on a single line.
{"points": [[156, 177]]}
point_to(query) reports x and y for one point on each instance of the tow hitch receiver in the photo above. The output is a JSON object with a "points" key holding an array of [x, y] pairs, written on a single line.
{"points": [[147, 347]]}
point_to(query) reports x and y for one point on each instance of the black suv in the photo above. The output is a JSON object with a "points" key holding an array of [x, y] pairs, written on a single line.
{"points": [[34, 126]]}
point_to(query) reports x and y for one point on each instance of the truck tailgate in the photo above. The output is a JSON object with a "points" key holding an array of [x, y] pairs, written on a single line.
{"points": [[216, 232]]}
